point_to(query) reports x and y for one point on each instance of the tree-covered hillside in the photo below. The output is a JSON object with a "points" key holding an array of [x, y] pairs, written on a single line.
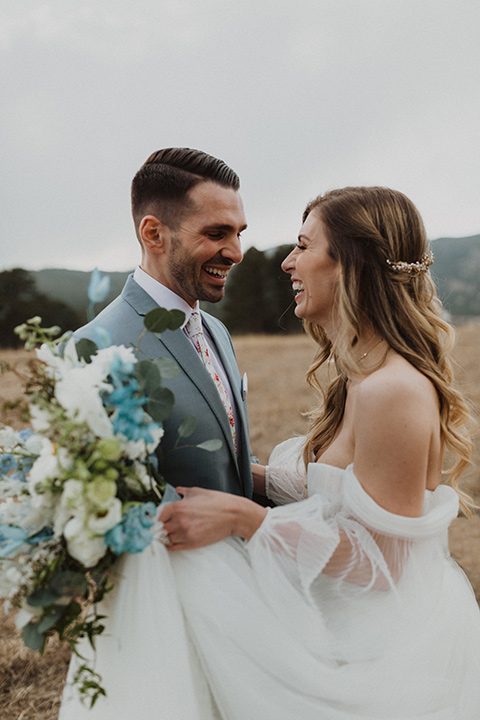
{"points": [[258, 296]]}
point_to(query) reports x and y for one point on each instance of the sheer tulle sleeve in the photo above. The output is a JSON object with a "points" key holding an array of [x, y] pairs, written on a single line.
{"points": [[285, 474], [339, 532]]}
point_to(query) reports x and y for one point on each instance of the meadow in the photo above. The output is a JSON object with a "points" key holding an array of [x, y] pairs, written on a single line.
{"points": [[278, 398]]}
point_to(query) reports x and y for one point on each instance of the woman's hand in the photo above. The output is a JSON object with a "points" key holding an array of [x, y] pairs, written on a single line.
{"points": [[204, 517]]}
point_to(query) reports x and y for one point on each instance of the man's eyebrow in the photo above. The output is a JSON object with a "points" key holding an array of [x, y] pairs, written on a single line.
{"points": [[224, 226]]}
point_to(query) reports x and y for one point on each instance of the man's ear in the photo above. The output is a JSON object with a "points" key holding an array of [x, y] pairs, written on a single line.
{"points": [[153, 234]]}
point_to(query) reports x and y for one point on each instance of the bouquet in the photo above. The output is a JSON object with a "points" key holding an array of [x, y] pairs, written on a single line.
{"points": [[81, 485]]}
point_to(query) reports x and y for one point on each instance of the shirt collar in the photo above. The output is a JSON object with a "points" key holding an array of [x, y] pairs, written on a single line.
{"points": [[163, 296]]}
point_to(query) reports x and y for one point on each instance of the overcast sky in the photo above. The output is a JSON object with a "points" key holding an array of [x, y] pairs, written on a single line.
{"points": [[297, 96]]}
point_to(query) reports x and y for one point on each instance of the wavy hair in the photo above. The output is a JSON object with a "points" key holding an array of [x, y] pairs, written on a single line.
{"points": [[366, 226]]}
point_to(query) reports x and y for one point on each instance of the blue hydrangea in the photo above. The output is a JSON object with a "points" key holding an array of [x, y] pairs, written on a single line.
{"points": [[99, 287], [129, 417], [7, 463], [132, 534], [11, 539]]}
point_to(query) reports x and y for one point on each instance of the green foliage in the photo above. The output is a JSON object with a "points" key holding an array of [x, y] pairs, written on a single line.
{"points": [[259, 296], [20, 299]]}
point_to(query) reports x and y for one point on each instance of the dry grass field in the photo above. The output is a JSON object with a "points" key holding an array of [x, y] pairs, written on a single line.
{"points": [[30, 686]]}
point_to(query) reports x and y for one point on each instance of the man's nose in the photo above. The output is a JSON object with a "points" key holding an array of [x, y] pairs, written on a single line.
{"points": [[233, 249]]}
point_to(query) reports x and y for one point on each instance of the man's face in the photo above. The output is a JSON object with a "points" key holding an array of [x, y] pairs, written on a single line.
{"points": [[206, 245]]}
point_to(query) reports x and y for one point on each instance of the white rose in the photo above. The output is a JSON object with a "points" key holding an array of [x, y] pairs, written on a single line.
{"points": [[81, 545]]}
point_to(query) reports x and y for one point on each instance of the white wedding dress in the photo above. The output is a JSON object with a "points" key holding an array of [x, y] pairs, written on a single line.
{"points": [[335, 610]]}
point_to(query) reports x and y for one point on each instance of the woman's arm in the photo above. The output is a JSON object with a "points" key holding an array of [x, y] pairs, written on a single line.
{"points": [[204, 517]]}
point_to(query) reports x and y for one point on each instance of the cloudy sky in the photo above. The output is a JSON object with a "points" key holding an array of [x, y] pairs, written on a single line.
{"points": [[298, 96]]}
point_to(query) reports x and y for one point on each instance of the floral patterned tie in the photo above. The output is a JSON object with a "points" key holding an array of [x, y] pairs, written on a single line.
{"points": [[194, 330]]}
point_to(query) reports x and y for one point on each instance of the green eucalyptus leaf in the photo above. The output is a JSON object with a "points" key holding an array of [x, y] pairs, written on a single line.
{"points": [[157, 320], [168, 367], [210, 445], [69, 583], [160, 404], [150, 376], [177, 318], [43, 597], [86, 349], [187, 426], [48, 621], [32, 638]]}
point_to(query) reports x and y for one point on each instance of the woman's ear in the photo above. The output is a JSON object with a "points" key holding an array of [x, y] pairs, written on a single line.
{"points": [[153, 234]]}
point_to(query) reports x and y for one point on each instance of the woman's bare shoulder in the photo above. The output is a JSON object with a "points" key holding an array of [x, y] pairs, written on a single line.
{"points": [[397, 381]]}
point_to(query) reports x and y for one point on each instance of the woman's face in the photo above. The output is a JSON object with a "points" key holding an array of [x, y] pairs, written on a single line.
{"points": [[314, 274]]}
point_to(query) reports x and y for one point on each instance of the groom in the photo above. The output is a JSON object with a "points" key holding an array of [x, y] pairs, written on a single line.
{"points": [[188, 218]]}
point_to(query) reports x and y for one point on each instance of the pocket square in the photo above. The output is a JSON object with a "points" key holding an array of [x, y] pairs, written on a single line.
{"points": [[244, 386]]}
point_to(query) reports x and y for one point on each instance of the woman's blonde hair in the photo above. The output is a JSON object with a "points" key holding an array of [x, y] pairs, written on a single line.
{"points": [[368, 229]]}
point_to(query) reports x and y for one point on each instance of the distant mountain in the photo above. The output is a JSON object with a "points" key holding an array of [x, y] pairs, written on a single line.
{"points": [[457, 274], [456, 271], [71, 286]]}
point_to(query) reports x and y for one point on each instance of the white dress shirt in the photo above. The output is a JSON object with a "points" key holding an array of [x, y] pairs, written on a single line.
{"points": [[166, 298]]}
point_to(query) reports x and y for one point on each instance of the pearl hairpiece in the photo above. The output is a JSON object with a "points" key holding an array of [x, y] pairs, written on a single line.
{"points": [[413, 268]]}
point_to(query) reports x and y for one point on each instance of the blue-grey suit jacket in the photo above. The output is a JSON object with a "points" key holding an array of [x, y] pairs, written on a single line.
{"points": [[195, 393]]}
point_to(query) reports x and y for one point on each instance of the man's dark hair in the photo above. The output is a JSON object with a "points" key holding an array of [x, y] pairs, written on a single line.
{"points": [[161, 185]]}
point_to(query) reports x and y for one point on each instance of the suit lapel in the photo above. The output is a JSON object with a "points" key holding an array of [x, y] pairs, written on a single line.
{"points": [[187, 358]]}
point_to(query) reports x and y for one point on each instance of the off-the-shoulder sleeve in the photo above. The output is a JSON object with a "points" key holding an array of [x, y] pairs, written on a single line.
{"points": [[346, 537], [285, 474]]}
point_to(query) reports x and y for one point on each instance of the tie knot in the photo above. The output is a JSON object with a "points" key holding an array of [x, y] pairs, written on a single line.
{"points": [[194, 325]]}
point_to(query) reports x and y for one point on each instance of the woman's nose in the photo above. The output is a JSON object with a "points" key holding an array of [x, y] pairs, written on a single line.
{"points": [[288, 265]]}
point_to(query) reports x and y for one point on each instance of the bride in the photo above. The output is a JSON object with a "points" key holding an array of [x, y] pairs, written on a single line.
{"points": [[342, 602]]}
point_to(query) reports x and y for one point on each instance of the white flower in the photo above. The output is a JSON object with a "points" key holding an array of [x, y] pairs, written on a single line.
{"points": [[9, 439], [33, 444], [81, 545], [10, 487], [49, 465], [72, 504], [40, 419], [105, 357], [142, 474], [157, 434], [25, 614], [78, 392], [134, 449], [10, 578], [103, 521]]}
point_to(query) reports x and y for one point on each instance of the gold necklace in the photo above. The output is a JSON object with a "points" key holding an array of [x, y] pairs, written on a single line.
{"points": [[362, 357]]}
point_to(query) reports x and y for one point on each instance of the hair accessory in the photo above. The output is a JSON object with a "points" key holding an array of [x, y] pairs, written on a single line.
{"points": [[413, 268]]}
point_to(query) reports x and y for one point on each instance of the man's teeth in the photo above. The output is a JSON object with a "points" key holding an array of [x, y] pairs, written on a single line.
{"points": [[297, 287], [216, 272]]}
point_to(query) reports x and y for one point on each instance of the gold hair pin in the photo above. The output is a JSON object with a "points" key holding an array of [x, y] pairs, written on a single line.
{"points": [[413, 268]]}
